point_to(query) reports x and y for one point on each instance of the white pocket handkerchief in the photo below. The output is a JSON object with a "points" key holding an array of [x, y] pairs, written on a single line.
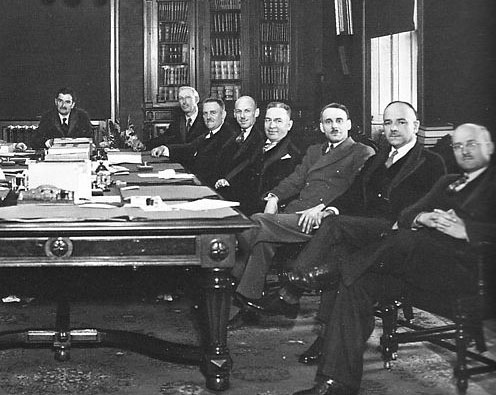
{"points": [[287, 156]]}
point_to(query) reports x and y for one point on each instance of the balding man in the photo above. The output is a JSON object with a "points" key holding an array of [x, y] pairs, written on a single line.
{"points": [[238, 154], [430, 251], [188, 124]]}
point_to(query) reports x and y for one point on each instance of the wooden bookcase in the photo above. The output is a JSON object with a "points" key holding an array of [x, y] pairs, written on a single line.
{"points": [[275, 50]]}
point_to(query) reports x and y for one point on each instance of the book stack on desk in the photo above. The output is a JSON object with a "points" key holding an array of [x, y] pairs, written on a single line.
{"points": [[64, 150], [429, 135]]}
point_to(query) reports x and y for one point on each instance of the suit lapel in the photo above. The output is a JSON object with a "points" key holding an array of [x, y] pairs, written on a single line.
{"points": [[275, 153], [57, 124], [338, 153], [413, 161], [486, 180]]}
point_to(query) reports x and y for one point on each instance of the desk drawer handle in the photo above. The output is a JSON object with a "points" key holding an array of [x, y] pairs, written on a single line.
{"points": [[219, 250], [58, 247]]}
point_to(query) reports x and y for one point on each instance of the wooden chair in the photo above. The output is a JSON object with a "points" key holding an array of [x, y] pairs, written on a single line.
{"points": [[467, 315]]}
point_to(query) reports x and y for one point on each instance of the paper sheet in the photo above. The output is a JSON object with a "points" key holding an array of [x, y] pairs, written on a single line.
{"points": [[205, 204]]}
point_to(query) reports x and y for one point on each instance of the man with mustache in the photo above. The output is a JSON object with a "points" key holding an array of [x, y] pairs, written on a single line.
{"points": [[396, 177], [432, 251]]}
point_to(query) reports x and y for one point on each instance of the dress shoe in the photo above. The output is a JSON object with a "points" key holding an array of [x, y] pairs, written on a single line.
{"points": [[317, 278], [241, 319], [243, 302], [314, 352], [325, 388], [275, 305]]}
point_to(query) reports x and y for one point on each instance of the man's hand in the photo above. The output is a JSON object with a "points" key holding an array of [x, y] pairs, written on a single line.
{"points": [[450, 224], [20, 147], [311, 218], [271, 207], [161, 150], [222, 183]]}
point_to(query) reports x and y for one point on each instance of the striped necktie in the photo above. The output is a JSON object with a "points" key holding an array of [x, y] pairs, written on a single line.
{"points": [[389, 161]]}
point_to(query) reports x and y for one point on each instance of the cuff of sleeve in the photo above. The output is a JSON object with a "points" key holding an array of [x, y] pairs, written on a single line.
{"points": [[416, 224], [331, 210], [271, 196]]}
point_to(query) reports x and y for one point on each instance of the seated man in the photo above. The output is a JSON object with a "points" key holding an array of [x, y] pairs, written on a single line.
{"points": [[430, 251], [238, 154], [187, 125], [201, 155], [398, 175], [325, 172], [65, 120]]}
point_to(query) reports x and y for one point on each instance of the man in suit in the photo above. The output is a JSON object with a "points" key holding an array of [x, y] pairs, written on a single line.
{"points": [[325, 173], [65, 120], [237, 180], [431, 250], [204, 151], [398, 175], [188, 124]]}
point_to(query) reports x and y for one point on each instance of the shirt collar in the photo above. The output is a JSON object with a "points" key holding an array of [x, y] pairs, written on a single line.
{"points": [[473, 175], [402, 151], [64, 116], [192, 116], [212, 132]]}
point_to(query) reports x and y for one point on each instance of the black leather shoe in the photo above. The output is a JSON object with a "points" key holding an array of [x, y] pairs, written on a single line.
{"points": [[243, 302], [241, 319], [313, 354], [275, 305], [316, 279], [325, 388]]}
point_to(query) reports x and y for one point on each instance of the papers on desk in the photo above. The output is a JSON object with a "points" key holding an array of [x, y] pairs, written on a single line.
{"points": [[168, 192], [205, 204], [116, 157], [168, 174]]}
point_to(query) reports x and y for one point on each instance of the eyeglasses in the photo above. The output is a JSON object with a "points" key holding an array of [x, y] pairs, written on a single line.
{"points": [[470, 146]]}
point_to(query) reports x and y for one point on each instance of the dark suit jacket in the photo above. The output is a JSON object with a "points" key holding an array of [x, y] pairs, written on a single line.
{"points": [[271, 167], [322, 177], [236, 167], [176, 133], [50, 127], [201, 156], [420, 169], [475, 205]]}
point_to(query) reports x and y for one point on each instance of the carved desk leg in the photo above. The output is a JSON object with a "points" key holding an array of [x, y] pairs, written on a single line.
{"points": [[217, 363]]}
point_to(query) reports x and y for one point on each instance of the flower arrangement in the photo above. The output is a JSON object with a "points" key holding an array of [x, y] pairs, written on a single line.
{"points": [[117, 138]]}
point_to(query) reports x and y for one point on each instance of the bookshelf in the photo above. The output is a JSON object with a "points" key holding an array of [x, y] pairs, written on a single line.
{"points": [[225, 49], [275, 50], [169, 58]]}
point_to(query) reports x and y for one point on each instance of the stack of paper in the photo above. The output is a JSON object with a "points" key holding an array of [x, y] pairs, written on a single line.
{"points": [[69, 150]]}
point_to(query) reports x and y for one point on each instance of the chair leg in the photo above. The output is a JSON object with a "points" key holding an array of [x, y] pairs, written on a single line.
{"points": [[389, 341], [461, 373]]}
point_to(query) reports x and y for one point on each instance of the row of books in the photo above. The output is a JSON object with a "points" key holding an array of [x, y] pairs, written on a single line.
{"points": [[429, 135], [225, 46], [14, 133], [274, 75], [275, 53], [225, 4], [173, 32], [173, 10], [174, 75], [167, 93], [226, 22], [274, 93], [225, 69], [276, 10], [274, 31], [226, 92], [172, 53]]}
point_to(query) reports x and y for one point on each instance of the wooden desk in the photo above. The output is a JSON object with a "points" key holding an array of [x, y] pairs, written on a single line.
{"points": [[207, 243]]}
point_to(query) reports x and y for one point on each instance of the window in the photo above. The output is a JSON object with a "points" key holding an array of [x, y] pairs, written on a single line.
{"points": [[393, 71]]}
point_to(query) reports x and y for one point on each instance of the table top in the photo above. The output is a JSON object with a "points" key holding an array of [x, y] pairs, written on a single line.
{"points": [[45, 219]]}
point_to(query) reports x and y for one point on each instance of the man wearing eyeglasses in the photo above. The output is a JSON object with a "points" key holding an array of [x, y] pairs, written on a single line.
{"points": [[431, 251], [65, 120]]}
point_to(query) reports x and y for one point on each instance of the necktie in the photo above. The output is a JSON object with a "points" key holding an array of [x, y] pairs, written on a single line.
{"points": [[327, 148], [188, 125], [458, 184], [65, 126], [240, 137], [389, 161], [208, 135], [268, 145]]}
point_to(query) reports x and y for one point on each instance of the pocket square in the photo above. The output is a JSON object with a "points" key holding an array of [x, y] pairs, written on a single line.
{"points": [[287, 156]]}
